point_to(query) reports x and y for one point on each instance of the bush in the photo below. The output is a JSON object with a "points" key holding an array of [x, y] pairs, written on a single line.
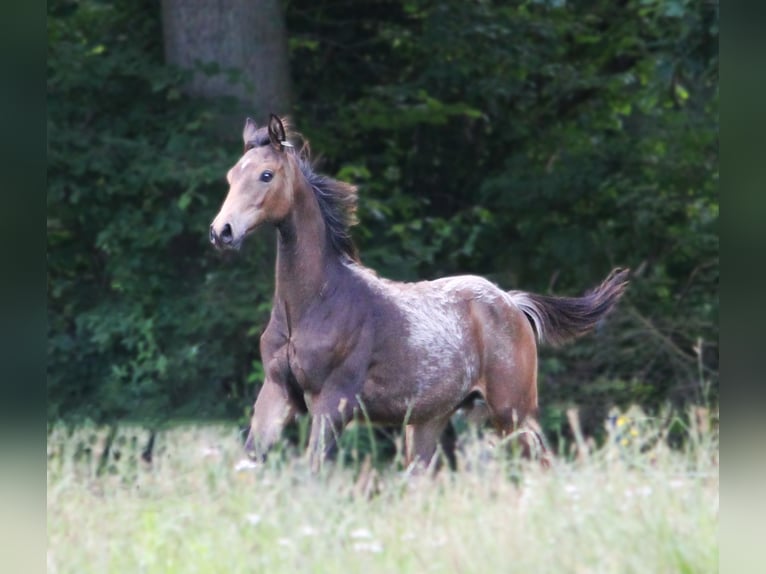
{"points": [[537, 143]]}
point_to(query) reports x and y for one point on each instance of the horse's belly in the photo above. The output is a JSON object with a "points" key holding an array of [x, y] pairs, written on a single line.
{"points": [[433, 387]]}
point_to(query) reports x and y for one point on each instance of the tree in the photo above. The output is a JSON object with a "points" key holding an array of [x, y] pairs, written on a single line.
{"points": [[233, 48]]}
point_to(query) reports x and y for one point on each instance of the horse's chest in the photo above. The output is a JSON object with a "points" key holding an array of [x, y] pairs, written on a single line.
{"points": [[312, 360]]}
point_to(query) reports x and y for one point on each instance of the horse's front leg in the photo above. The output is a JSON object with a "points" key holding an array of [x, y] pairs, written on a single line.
{"points": [[331, 411], [272, 411]]}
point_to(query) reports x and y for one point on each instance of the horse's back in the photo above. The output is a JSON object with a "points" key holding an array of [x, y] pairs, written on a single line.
{"points": [[493, 308]]}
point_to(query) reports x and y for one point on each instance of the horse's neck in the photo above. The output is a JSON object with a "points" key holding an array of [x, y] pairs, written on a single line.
{"points": [[305, 260]]}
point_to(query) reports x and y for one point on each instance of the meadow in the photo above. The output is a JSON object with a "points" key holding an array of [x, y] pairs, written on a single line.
{"points": [[632, 504]]}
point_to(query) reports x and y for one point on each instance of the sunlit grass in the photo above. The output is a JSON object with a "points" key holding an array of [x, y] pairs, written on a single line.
{"points": [[637, 507]]}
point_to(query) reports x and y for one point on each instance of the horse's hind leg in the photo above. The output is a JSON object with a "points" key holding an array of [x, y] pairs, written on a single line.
{"points": [[529, 436], [422, 440], [511, 390], [448, 443]]}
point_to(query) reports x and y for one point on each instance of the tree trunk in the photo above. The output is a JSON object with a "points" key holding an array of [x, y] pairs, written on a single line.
{"points": [[244, 39]]}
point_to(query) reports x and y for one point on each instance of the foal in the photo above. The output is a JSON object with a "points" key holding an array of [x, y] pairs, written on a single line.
{"points": [[343, 342]]}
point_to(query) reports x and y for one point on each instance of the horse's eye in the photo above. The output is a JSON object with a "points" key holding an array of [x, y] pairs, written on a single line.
{"points": [[267, 176]]}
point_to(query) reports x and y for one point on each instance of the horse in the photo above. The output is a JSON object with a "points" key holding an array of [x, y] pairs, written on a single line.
{"points": [[343, 343]]}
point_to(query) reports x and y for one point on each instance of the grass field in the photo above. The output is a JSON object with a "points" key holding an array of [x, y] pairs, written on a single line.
{"points": [[634, 505]]}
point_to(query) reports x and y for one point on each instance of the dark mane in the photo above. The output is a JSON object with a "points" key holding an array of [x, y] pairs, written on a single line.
{"points": [[337, 202], [337, 199]]}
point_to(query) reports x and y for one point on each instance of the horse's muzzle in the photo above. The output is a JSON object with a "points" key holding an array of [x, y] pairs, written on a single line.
{"points": [[223, 239]]}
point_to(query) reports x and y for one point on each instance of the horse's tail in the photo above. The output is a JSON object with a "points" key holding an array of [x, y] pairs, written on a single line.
{"points": [[560, 319]]}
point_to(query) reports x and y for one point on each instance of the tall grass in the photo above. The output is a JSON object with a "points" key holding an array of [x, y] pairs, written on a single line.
{"points": [[633, 505]]}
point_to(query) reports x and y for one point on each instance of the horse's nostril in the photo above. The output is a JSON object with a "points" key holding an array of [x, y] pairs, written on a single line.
{"points": [[226, 234], [226, 231]]}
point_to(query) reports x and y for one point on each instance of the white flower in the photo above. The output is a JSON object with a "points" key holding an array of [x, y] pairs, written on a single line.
{"points": [[245, 464], [307, 530], [572, 491], [645, 490], [372, 546], [208, 452], [439, 540], [360, 533], [253, 518], [642, 491]]}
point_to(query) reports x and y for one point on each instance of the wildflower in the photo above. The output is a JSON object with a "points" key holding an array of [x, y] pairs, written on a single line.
{"points": [[360, 533], [440, 540], [372, 546], [253, 518], [572, 491], [245, 464], [643, 491], [208, 452]]}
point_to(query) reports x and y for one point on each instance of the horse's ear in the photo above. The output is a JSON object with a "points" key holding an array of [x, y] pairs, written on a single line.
{"points": [[248, 134], [277, 134]]}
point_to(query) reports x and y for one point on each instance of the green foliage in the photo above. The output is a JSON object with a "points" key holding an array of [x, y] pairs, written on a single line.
{"points": [[144, 320], [536, 143]]}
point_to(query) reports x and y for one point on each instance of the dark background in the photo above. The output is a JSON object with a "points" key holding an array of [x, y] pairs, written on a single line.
{"points": [[538, 144]]}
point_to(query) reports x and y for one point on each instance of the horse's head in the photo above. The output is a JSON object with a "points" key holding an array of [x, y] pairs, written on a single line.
{"points": [[260, 185]]}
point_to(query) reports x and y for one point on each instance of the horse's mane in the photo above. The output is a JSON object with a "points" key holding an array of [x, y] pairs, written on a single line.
{"points": [[337, 199], [337, 202]]}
